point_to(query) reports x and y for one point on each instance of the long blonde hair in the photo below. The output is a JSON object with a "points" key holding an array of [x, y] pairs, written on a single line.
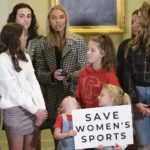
{"points": [[50, 32], [120, 98], [144, 36], [132, 36], [60, 108]]}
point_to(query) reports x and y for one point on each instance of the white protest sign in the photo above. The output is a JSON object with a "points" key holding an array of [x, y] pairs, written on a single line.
{"points": [[102, 126]]}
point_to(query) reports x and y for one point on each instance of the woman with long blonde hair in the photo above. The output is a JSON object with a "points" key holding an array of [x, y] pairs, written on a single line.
{"points": [[137, 78]]}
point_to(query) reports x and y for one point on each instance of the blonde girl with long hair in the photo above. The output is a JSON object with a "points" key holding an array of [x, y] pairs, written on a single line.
{"points": [[137, 78], [112, 95]]}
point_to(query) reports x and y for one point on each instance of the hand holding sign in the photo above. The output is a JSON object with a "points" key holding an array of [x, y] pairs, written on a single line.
{"points": [[103, 126]]}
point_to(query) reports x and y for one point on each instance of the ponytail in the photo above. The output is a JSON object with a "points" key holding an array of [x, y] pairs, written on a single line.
{"points": [[126, 99]]}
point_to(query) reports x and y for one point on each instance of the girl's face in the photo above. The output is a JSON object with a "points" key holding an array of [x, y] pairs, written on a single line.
{"points": [[24, 17], [23, 40], [105, 99], [69, 104], [94, 53], [135, 24], [58, 20]]}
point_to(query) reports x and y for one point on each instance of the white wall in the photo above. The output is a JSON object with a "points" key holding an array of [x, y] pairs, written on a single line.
{"points": [[3, 12]]}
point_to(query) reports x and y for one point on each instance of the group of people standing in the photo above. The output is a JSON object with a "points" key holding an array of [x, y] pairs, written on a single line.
{"points": [[38, 72]]}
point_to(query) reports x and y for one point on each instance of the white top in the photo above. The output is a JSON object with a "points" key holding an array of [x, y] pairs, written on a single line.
{"points": [[19, 88]]}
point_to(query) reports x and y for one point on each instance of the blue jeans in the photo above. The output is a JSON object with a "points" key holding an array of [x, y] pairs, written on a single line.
{"points": [[142, 125]]}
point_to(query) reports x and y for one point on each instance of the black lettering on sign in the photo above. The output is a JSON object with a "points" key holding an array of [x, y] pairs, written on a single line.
{"points": [[91, 138], [88, 117], [115, 115], [80, 128], [127, 124], [84, 140], [97, 117], [100, 137], [123, 135], [108, 137], [90, 127]]}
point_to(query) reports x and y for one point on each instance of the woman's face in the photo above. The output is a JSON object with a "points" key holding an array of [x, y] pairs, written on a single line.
{"points": [[135, 24], [57, 20], [24, 17], [23, 40]]}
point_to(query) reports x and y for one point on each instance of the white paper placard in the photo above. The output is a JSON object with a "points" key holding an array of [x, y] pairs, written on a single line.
{"points": [[102, 126]]}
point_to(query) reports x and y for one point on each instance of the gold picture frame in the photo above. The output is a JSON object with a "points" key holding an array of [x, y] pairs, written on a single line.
{"points": [[86, 29]]}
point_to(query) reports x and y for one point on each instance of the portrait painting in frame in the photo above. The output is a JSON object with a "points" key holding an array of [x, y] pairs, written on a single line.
{"points": [[94, 16]]}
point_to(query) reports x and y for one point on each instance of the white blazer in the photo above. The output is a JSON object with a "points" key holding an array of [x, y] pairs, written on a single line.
{"points": [[19, 88]]}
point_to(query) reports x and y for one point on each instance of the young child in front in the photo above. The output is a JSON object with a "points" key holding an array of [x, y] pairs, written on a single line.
{"points": [[101, 70], [112, 95], [63, 129]]}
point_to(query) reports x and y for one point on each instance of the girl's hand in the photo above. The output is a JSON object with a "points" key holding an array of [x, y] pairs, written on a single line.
{"points": [[41, 114], [118, 147], [57, 75], [100, 147], [72, 133], [38, 122]]}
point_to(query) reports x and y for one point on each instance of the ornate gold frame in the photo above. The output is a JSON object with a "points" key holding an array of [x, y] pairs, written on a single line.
{"points": [[100, 29]]}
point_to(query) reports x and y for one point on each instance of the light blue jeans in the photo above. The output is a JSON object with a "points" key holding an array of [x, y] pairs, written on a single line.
{"points": [[142, 125]]}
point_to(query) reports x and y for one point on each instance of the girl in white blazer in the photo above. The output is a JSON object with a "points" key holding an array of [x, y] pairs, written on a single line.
{"points": [[20, 94]]}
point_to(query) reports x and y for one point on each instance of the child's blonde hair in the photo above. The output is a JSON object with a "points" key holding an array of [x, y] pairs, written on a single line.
{"points": [[106, 44], [120, 98], [60, 108]]}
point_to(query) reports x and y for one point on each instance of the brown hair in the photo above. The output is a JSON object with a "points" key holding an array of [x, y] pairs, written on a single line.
{"points": [[120, 98], [10, 40], [106, 44], [32, 31]]}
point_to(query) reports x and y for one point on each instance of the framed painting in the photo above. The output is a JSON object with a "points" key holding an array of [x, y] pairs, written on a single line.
{"points": [[94, 16]]}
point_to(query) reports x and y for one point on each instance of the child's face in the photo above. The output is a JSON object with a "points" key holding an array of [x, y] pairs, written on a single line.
{"points": [[69, 104], [105, 99], [94, 54]]}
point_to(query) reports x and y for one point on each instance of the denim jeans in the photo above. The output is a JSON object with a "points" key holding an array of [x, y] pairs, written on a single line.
{"points": [[142, 125]]}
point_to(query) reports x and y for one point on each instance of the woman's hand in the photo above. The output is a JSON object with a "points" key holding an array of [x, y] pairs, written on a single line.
{"points": [[68, 77], [57, 75], [143, 109]]}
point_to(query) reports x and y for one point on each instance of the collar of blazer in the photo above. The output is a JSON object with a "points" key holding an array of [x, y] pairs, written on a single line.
{"points": [[69, 44], [49, 52]]}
